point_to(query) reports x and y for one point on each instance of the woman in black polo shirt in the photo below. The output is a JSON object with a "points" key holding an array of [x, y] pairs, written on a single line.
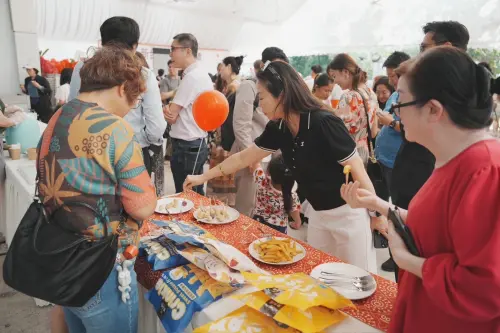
{"points": [[315, 145]]}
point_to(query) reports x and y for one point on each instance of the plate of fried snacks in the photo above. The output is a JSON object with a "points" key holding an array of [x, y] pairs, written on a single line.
{"points": [[173, 206], [277, 250], [219, 214]]}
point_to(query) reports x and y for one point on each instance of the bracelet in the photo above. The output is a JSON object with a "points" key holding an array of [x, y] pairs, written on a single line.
{"points": [[222, 172], [373, 213]]}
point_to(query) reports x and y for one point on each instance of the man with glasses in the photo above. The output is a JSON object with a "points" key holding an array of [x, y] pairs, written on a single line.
{"points": [[414, 163], [439, 33], [146, 118], [190, 151]]}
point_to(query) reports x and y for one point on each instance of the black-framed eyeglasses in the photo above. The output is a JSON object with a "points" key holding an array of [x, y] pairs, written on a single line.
{"points": [[138, 103], [173, 48], [424, 47], [396, 108]]}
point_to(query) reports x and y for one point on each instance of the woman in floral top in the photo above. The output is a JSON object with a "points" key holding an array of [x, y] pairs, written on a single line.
{"points": [[275, 199], [88, 154], [351, 108]]}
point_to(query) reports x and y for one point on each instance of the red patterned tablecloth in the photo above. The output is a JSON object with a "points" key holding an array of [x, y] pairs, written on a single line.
{"points": [[374, 311]]}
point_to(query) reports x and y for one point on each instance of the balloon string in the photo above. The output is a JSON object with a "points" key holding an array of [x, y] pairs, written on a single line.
{"points": [[198, 154]]}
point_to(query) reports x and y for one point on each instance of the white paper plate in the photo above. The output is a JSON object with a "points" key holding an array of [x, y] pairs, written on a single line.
{"points": [[233, 216], [295, 259], [349, 270], [179, 209]]}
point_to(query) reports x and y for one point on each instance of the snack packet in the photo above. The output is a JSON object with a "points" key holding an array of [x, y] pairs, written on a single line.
{"points": [[312, 320], [244, 320], [181, 292], [232, 256], [162, 253], [298, 290], [215, 267], [193, 254], [222, 273]]}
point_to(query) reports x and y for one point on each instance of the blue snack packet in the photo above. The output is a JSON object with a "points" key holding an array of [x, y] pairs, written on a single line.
{"points": [[180, 227], [162, 253], [183, 291]]}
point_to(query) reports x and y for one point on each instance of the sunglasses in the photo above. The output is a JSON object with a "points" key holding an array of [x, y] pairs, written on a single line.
{"points": [[267, 66], [396, 108], [138, 103]]}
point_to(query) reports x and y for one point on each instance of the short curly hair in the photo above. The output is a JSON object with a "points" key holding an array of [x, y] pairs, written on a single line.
{"points": [[110, 67]]}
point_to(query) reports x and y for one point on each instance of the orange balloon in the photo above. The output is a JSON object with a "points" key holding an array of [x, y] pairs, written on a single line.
{"points": [[210, 110]]}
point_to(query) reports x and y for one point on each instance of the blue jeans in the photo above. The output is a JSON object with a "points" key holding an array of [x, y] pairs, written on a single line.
{"points": [[183, 159], [105, 312]]}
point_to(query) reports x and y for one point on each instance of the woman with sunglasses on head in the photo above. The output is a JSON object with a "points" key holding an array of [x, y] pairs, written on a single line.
{"points": [[454, 284], [315, 146]]}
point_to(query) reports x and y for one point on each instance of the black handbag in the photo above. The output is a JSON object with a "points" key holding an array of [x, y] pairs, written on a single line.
{"points": [[48, 262]]}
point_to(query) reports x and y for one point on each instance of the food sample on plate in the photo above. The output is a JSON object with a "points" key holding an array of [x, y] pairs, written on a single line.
{"points": [[277, 250], [175, 204], [312, 320], [347, 171], [298, 290], [213, 213], [246, 320]]}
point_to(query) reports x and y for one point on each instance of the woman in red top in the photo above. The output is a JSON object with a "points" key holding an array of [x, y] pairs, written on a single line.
{"points": [[445, 105]]}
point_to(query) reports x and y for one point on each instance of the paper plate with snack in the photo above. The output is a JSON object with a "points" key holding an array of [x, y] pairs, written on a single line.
{"points": [[277, 250], [173, 206], [218, 214]]}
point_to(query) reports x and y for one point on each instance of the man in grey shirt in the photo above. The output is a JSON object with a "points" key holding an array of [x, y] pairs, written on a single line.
{"points": [[170, 82]]}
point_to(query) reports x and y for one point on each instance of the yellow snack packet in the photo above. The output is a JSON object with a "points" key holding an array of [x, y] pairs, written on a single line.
{"points": [[312, 320], [298, 290], [244, 320]]}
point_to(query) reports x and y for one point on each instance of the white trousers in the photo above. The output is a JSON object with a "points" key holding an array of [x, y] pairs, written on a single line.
{"points": [[344, 233]]}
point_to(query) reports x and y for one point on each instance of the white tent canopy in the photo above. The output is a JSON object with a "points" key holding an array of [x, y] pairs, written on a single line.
{"points": [[298, 26]]}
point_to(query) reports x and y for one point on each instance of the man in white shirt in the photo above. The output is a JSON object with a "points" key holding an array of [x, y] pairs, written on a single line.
{"points": [[147, 118], [315, 71], [189, 147]]}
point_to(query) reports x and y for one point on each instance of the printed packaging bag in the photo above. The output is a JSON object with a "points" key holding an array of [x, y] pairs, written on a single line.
{"points": [[162, 253], [193, 254], [298, 290], [183, 291], [312, 320], [244, 320], [215, 267]]}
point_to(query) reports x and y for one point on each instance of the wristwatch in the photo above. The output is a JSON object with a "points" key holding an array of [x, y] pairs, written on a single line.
{"points": [[393, 123]]}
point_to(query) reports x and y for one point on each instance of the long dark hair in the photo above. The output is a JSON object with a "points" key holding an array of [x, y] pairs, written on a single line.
{"points": [[383, 80], [450, 76], [283, 82], [235, 63], [65, 76], [344, 61], [281, 175]]}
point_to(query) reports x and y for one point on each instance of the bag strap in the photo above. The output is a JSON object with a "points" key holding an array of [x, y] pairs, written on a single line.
{"points": [[369, 137], [43, 216]]}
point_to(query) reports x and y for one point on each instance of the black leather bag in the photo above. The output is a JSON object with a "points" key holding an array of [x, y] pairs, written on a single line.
{"points": [[50, 263]]}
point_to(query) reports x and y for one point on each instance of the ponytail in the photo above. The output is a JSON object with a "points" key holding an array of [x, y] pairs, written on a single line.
{"points": [[359, 77], [286, 189]]}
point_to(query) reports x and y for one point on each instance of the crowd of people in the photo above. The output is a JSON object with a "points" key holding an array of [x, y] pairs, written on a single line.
{"points": [[417, 140]]}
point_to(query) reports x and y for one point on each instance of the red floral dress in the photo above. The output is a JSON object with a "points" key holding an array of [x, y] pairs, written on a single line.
{"points": [[351, 110], [269, 203]]}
